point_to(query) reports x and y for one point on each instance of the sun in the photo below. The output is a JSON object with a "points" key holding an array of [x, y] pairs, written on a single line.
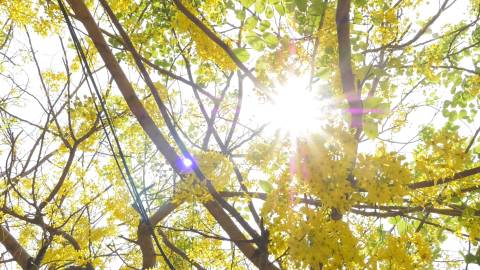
{"points": [[296, 109]]}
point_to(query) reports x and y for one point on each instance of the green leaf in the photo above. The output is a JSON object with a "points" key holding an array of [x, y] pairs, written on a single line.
{"points": [[317, 8], [301, 5], [376, 107], [242, 54], [360, 3], [372, 102], [393, 220], [476, 149], [247, 3], [265, 185], [280, 9], [289, 5], [162, 63], [240, 14], [255, 41], [264, 25], [382, 110], [362, 72], [260, 5], [323, 73], [269, 13], [476, 34], [370, 128], [251, 23], [402, 226], [271, 40], [471, 258]]}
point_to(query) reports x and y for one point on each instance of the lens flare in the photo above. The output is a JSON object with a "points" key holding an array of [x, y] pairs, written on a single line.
{"points": [[185, 165], [296, 109], [187, 162]]}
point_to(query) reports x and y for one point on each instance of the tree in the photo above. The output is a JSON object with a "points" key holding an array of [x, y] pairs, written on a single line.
{"points": [[135, 134]]}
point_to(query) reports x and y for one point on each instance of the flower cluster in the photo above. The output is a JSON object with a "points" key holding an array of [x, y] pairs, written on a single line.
{"points": [[408, 251], [216, 167], [206, 48], [383, 176], [442, 154], [322, 165], [322, 241]]}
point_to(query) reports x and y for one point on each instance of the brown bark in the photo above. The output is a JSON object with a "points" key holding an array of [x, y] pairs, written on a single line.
{"points": [[83, 14], [62, 178], [178, 251], [144, 240], [144, 235], [418, 35], [19, 254], [345, 64], [455, 177], [256, 256], [161, 106], [212, 36], [52, 230]]}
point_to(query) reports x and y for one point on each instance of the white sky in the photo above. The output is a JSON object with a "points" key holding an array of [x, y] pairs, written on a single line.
{"points": [[50, 56]]}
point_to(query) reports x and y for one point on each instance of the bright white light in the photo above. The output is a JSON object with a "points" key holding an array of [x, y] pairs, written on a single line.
{"points": [[295, 109], [187, 162]]}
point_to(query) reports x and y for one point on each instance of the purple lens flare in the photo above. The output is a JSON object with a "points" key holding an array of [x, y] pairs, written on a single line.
{"points": [[185, 165]]}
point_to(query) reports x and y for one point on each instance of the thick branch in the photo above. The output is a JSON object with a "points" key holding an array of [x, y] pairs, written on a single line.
{"points": [[254, 255], [19, 254], [145, 237], [211, 35], [62, 178], [345, 59], [457, 176], [83, 14], [177, 250]]}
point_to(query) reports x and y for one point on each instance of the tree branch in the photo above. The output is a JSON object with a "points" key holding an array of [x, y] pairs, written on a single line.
{"points": [[218, 41], [344, 60], [457, 176], [19, 254], [144, 235], [83, 14]]}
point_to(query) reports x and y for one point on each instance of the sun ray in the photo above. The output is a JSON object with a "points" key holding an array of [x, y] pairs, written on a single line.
{"points": [[296, 109]]}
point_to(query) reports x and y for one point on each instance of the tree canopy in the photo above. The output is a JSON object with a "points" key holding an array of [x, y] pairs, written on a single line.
{"points": [[239, 134]]}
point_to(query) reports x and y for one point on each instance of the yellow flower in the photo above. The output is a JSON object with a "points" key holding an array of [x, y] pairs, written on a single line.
{"points": [[206, 48]]}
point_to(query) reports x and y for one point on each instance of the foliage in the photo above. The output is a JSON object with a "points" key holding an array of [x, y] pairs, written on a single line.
{"points": [[386, 181]]}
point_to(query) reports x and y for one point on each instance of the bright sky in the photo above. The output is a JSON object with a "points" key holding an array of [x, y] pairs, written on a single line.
{"points": [[290, 111]]}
